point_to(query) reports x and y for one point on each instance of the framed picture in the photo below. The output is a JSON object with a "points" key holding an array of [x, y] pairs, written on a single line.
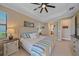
{"points": [[66, 27], [28, 24]]}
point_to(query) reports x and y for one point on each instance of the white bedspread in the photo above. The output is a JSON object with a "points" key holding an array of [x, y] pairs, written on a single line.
{"points": [[27, 42]]}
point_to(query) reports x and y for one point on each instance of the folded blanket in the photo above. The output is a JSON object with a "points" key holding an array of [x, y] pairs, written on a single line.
{"points": [[34, 53], [40, 47]]}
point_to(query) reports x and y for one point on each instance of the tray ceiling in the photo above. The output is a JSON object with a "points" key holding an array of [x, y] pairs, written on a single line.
{"points": [[62, 10]]}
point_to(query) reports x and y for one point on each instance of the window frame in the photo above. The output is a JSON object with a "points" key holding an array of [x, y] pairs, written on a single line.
{"points": [[5, 26]]}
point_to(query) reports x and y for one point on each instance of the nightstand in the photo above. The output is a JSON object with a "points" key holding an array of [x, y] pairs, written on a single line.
{"points": [[1, 49], [10, 46]]}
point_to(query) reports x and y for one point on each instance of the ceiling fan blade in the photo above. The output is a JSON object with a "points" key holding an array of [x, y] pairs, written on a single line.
{"points": [[36, 3], [37, 8], [41, 10], [45, 3], [46, 9], [50, 6]]}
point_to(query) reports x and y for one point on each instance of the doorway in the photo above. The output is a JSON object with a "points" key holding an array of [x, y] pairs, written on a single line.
{"points": [[65, 29]]}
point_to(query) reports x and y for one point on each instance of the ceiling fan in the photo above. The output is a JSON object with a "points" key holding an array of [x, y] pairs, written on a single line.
{"points": [[43, 6]]}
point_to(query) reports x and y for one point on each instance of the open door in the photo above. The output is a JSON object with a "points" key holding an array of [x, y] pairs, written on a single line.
{"points": [[65, 29]]}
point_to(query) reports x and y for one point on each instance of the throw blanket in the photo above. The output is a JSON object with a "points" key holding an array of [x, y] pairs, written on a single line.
{"points": [[42, 47]]}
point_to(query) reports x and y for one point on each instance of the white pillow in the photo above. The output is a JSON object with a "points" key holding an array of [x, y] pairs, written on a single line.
{"points": [[33, 35], [23, 35]]}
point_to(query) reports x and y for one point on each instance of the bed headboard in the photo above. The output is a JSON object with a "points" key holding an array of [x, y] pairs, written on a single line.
{"points": [[25, 29]]}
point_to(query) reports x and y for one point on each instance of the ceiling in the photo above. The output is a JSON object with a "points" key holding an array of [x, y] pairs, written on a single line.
{"points": [[61, 10]]}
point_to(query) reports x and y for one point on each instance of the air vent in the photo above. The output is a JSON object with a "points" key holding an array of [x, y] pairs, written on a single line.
{"points": [[71, 8]]}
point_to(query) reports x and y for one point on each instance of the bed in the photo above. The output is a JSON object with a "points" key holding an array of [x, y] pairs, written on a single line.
{"points": [[38, 46]]}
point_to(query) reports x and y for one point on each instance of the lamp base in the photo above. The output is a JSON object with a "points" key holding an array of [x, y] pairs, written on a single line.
{"points": [[40, 33], [10, 37]]}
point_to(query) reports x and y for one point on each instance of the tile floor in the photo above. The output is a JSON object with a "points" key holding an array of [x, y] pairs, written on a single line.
{"points": [[20, 52], [63, 48]]}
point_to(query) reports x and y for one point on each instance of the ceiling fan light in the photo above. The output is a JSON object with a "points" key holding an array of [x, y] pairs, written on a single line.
{"points": [[43, 6]]}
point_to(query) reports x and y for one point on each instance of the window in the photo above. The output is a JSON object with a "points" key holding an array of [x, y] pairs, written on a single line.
{"points": [[3, 24]]}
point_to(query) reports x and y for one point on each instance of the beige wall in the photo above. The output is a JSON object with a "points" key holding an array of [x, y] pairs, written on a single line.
{"points": [[16, 20]]}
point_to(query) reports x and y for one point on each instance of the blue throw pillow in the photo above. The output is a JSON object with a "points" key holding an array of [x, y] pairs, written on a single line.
{"points": [[27, 35]]}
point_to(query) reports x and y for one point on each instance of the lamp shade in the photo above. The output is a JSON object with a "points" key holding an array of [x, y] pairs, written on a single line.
{"points": [[11, 31]]}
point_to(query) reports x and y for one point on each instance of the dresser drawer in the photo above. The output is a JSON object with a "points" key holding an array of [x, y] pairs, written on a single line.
{"points": [[75, 46]]}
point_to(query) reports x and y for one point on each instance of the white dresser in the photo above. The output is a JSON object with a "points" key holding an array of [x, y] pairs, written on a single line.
{"points": [[10, 47], [75, 42]]}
